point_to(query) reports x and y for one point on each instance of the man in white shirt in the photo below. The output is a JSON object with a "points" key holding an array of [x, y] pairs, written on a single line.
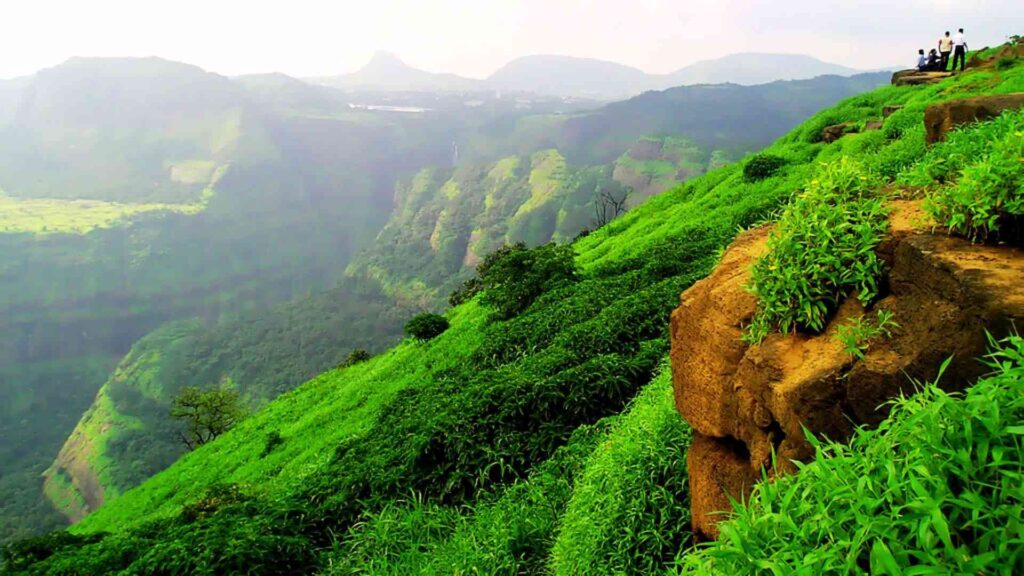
{"points": [[959, 49], [922, 61]]}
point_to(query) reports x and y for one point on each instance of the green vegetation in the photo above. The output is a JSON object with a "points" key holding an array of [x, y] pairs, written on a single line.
{"points": [[514, 276], [426, 326], [354, 357], [934, 490], [822, 251], [546, 440], [981, 191], [206, 414], [857, 333], [762, 166]]}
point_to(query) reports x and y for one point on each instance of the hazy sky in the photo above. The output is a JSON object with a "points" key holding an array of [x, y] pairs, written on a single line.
{"points": [[475, 37]]}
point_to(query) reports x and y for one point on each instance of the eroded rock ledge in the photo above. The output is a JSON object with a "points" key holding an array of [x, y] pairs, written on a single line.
{"points": [[746, 402]]}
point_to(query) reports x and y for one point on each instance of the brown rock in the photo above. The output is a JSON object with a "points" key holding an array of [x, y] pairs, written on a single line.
{"points": [[916, 78], [832, 133], [717, 473], [890, 109], [939, 119], [873, 125], [944, 293]]}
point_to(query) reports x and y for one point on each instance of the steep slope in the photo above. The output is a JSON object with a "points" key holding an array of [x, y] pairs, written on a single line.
{"points": [[137, 192], [426, 451], [443, 222]]}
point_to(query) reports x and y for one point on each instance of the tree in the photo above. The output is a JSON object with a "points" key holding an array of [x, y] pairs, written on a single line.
{"points": [[609, 204], [426, 326], [206, 414]]}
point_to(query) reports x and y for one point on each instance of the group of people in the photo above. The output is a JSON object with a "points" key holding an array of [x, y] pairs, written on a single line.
{"points": [[938, 60]]}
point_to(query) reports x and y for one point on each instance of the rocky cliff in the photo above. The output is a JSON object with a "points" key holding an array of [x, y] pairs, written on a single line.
{"points": [[752, 406]]}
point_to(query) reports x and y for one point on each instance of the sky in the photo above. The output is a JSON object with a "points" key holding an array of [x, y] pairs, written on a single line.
{"points": [[475, 37]]}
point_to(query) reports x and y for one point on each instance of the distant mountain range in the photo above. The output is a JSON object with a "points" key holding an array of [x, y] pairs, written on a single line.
{"points": [[569, 76]]}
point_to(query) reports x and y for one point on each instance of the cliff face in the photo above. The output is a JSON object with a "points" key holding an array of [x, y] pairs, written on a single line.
{"points": [[748, 402]]}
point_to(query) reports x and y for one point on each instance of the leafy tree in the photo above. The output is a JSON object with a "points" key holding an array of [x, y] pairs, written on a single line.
{"points": [[206, 414], [514, 276], [426, 326], [465, 292]]}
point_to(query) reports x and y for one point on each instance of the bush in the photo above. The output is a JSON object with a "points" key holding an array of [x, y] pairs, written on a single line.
{"points": [[762, 166], [357, 356], [936, 489], [426, 326], [822, 250], [514, 276], [1006, 63], [274, 439], [989, 189]]}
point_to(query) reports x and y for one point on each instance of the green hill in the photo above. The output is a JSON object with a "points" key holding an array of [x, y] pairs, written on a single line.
{"points": [[547, 441], [444, 220]]}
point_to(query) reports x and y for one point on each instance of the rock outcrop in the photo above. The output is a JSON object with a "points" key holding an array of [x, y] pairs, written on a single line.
{"points": [[939, 119], [916, 77], [830, 134], [748, 402]]}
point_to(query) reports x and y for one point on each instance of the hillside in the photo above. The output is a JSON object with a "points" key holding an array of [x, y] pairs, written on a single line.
{"points": [[444, 220], [140, 191], [539, 435]]}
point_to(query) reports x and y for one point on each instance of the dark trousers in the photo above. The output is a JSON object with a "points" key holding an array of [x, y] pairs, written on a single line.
{"points": [[945, 61], [959, 54]]}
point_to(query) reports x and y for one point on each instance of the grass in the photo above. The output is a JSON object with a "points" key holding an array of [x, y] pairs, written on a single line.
{"points": [[56, 216], [548, 441], [936, 489]]}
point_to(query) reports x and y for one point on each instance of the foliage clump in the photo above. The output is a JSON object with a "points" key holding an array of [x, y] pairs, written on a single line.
{"points": [[936, 489], [983, 171], [856, 334], [821, 252], [426, 326], [357, 356], [514, 276], [762, 166]]}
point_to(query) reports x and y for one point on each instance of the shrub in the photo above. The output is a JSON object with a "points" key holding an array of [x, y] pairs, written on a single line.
{"points": [[822, 250], [762, 166], [357, 356], [426, 326], [274, 439], [935, 489], [1006, 63], [514, 276], [858, 333], [989, 190]]}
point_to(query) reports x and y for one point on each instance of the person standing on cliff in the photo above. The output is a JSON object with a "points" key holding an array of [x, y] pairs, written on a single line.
{"points": [[960, 50], [945, 47]]}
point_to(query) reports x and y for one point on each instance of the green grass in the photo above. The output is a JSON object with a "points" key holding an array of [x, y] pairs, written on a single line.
{"points": [[548, 441], [58, 216], [936, 489]]}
